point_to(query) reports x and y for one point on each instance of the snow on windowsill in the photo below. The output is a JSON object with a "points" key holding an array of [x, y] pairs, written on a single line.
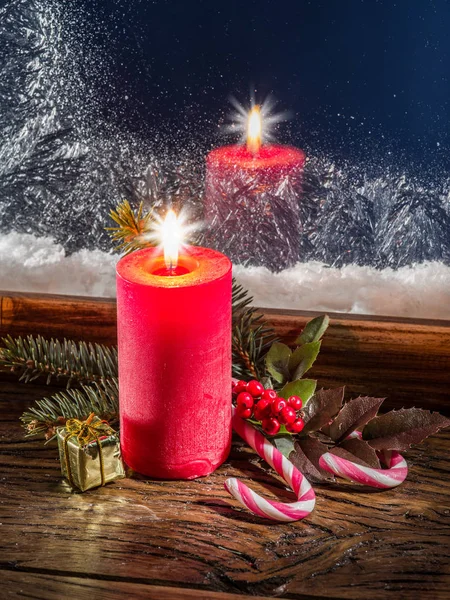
{"points": [[37, 264]]}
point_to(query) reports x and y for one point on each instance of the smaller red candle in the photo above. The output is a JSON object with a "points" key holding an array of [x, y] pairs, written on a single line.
{"points": [[252, 199], [174, 337]]}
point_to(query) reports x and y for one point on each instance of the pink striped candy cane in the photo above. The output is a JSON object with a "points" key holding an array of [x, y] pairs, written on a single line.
{"points": [[277, 511], [394, 475]]}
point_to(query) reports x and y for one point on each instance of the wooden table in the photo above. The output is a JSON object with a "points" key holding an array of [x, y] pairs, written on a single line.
{"points": [[150, 539]]}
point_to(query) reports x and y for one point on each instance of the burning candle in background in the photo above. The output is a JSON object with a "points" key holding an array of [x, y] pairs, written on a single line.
{"points": [[174, 338], [252, 198]]}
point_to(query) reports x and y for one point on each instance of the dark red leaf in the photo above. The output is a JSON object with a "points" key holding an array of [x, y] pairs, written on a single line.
{"points": [[324, 405], [399, 429], [354, 415], [305, 457], [361, 451]]}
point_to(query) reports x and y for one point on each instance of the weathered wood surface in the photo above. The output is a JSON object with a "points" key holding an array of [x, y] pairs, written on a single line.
{"points": [[403, 359], [49, 587], [135, 535]]}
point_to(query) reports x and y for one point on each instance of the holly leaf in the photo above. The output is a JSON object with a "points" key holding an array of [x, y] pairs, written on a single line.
{"points": [[277, 361], [354, 415], [321, 408], [306, 457], [313, 330], [359, 449], [399, 429], [267, 383], [302, 359], [304, 388], [285, 444], [339, 451]]}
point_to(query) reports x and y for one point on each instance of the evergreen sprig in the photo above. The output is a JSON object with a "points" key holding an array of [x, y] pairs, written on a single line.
{"points": [[251, 337], [129, 235], [102, 398], [33, 357]]}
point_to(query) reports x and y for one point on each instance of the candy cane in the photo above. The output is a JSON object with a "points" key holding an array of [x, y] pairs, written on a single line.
{"points": [[394, 475], [277, 511]]}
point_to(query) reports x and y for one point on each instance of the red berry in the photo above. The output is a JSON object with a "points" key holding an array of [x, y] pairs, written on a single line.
{"points": [[277, 406], [295, 402], [255, 388], [271, 426], [243, 411], [287, 415], [263, 409], [296, 426], [244, 399], [269, 395], [241, 386]]}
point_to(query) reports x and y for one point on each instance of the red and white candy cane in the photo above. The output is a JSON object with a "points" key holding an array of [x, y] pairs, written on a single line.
{"points": [[277, 511], [394, 475]]}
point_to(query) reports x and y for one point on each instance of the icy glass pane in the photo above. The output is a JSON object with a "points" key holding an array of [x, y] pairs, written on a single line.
{"points": [[105, 100]]}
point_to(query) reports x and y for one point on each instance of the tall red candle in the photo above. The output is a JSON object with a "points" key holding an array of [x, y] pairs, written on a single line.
{"points": [[174, 337]]}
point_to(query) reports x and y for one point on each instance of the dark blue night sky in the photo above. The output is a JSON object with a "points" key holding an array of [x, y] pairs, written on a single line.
{"points": [[362, 78]]}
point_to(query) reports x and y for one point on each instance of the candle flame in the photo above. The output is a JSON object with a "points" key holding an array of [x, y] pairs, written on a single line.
{"points": [[172, 238], [254, 130]]}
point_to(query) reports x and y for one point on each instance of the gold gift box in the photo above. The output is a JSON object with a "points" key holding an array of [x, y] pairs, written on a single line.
{"points": [[84, 470]]}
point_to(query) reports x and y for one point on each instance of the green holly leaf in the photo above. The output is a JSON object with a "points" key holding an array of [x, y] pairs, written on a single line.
{"points": [[285, 444], [303, 358], [277, 362], [313, 330], [267, 383], [304, 388]]}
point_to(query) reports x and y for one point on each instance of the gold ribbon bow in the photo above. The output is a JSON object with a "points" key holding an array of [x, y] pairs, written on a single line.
{"points": [[86, 432]]}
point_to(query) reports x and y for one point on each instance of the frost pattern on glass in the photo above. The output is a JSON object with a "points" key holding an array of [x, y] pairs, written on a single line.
{"points": [[254, 218], [413, 227], [63, 166]]}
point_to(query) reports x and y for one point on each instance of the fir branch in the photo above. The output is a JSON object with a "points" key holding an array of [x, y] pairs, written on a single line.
{"points": [[77, 361], [47, 414], [251, 337], [131, 227]]}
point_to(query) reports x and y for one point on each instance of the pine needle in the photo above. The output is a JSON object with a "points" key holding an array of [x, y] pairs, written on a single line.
{"points": [[47, 414], [251, 337], [33, 357], [132, 227]]}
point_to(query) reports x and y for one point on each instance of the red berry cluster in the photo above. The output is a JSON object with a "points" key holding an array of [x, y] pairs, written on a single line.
{"points": [[266, 406]]}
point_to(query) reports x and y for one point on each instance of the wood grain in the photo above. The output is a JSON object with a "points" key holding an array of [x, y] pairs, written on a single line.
{"points": [[405, 360], [136, 533], [56, 587]]}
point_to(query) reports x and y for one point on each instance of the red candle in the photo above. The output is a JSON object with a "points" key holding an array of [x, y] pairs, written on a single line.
{"points": [[174, 336], [252, 200]]}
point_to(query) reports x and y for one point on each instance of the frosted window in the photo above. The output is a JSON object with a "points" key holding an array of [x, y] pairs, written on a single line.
{"points": [[106, 100]]}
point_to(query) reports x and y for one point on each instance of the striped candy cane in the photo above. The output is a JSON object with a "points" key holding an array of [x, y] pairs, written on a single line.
{"points": [[394, 475], [277, 511]]}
